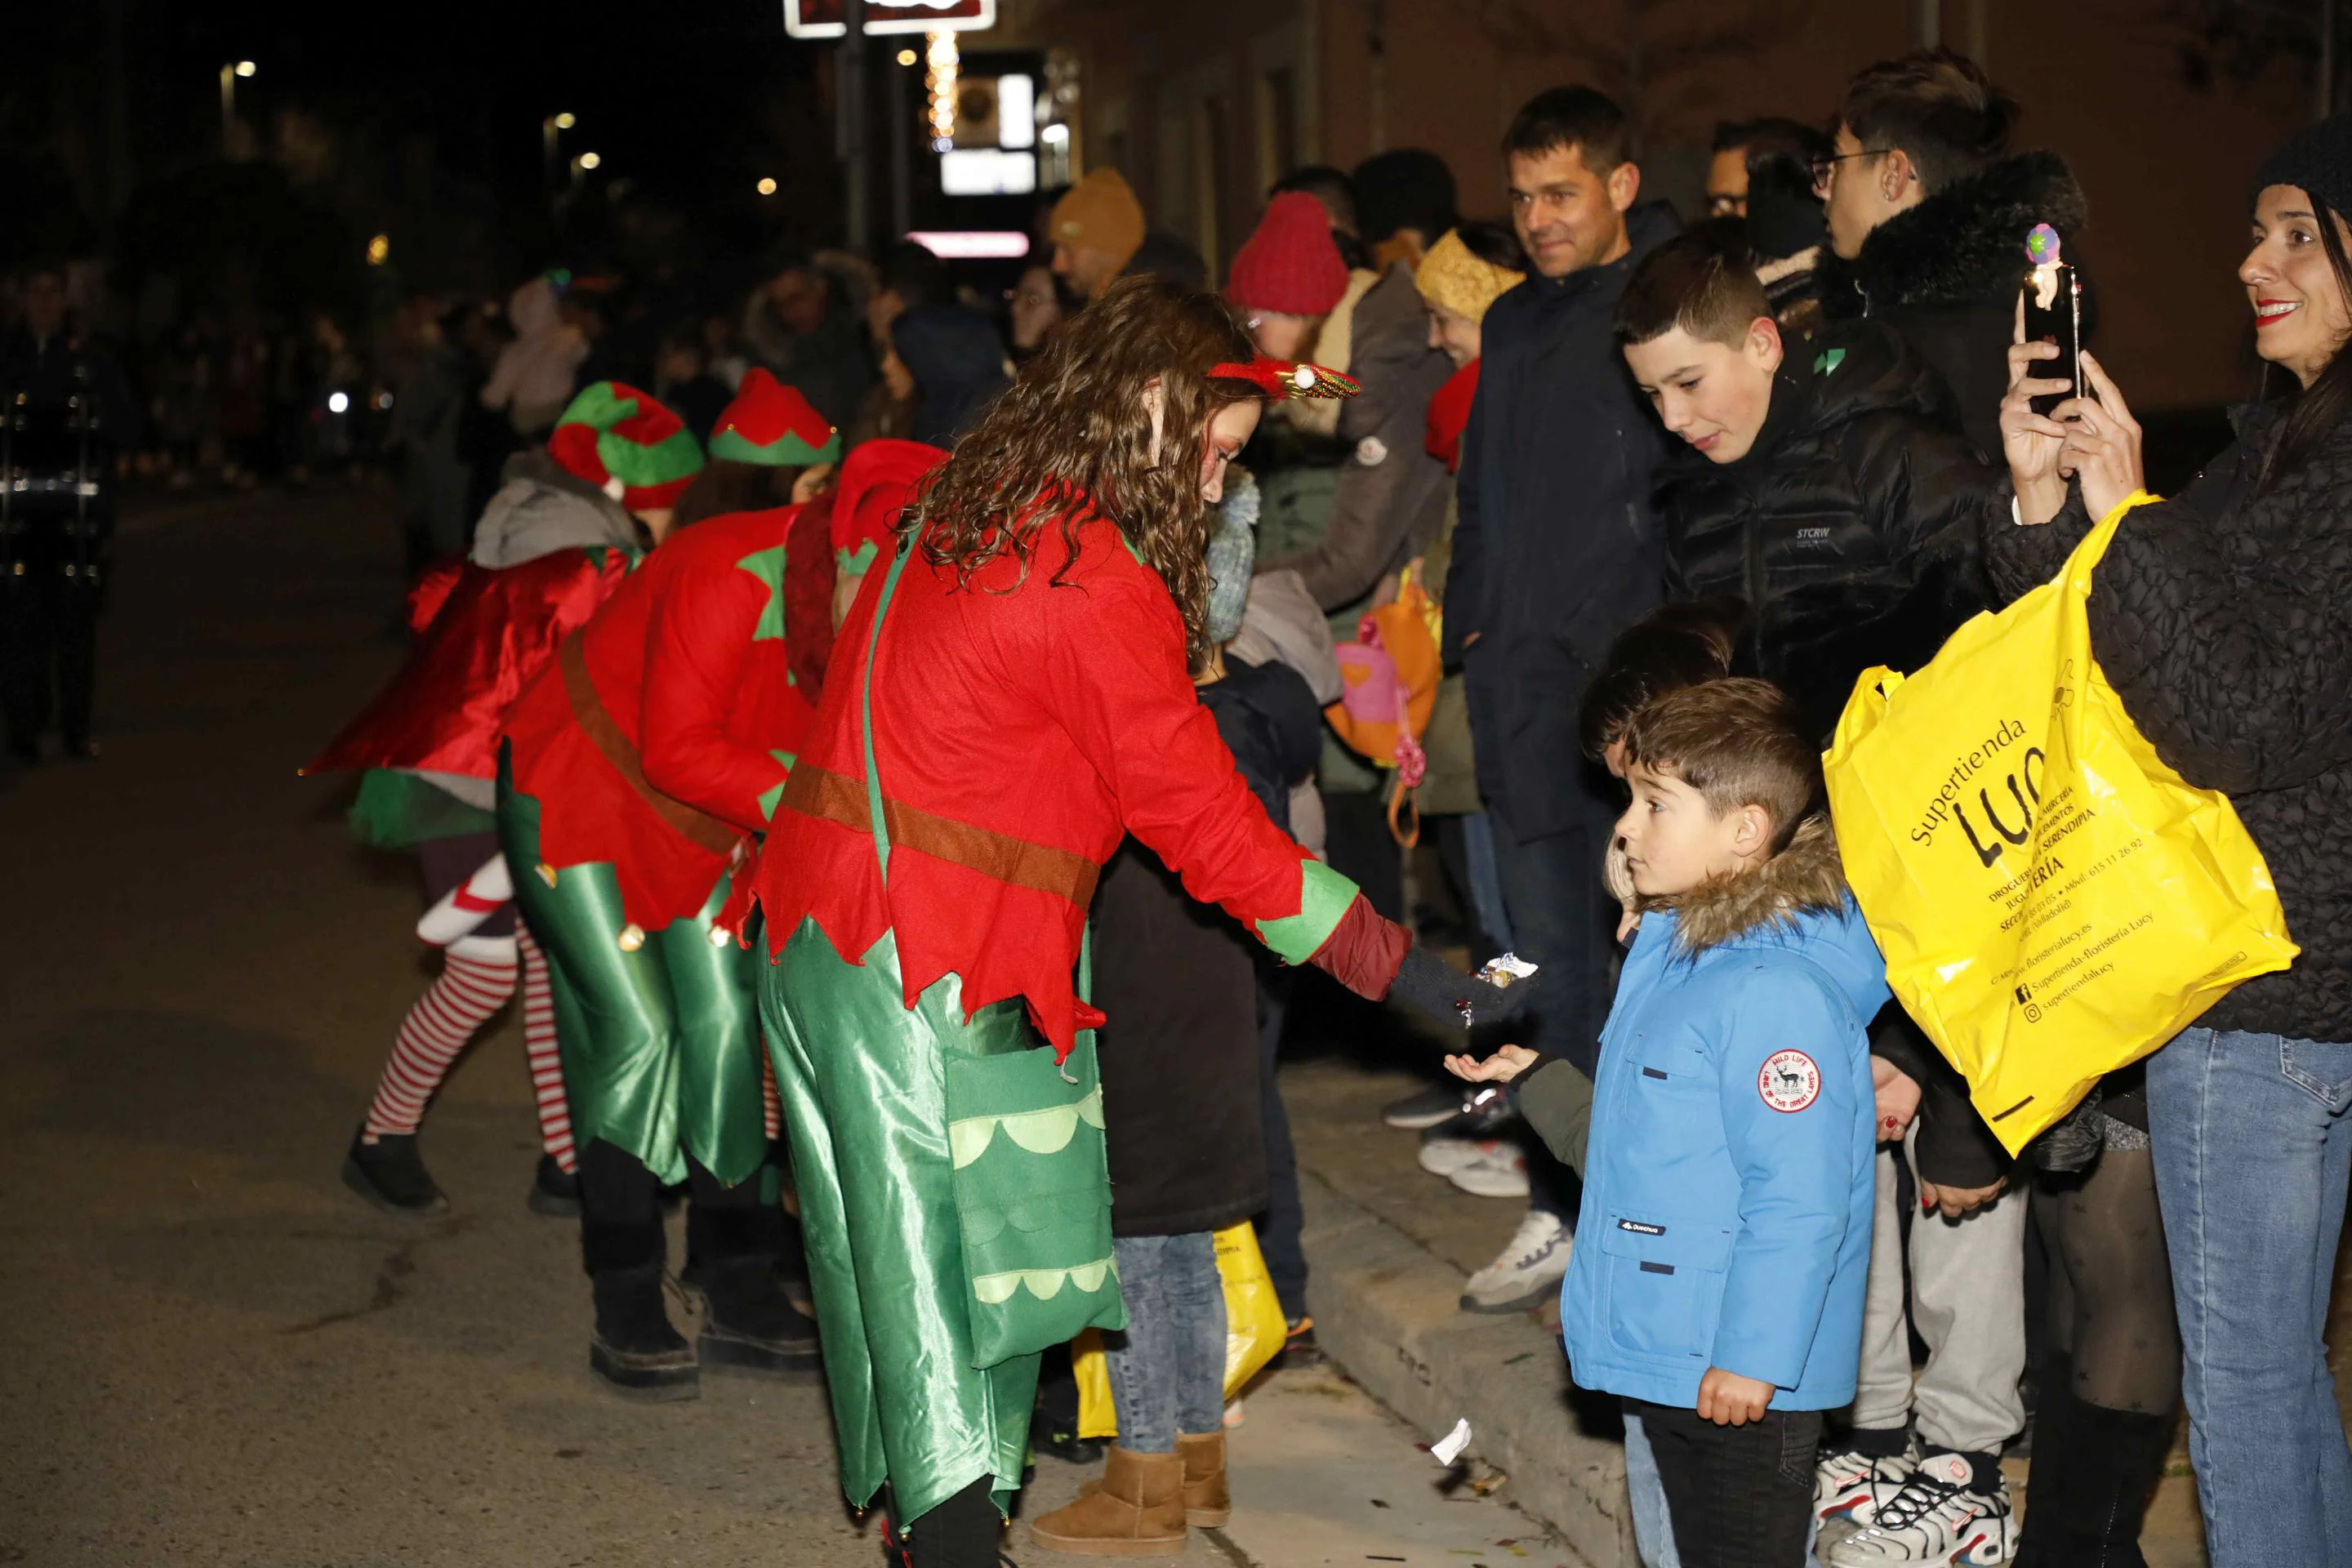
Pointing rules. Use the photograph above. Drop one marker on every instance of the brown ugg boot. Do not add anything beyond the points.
(1207, 1505)
(1137, 1511)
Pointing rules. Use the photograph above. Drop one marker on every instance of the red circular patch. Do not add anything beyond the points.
(1788, 1081)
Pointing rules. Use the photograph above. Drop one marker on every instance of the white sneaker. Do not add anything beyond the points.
(1444, 1156)
(1499, 1172)
(1527, 1269)
(1934, 1518)
(1848, 1486)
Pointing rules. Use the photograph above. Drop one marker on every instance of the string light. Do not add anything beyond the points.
(378, 249)
(942, 62)
(767, 187)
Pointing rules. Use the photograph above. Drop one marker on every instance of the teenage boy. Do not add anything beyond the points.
(1727, 1168)
(1555, 553)
(1831, 489)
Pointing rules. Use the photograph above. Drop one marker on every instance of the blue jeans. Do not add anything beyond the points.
(2253, 1151)
(1167, 1371)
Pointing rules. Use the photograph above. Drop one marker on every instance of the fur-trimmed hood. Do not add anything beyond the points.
(1803, 879)
(1963, 246)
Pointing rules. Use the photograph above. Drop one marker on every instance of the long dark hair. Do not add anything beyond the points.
(2316, 412)
(1072, 423)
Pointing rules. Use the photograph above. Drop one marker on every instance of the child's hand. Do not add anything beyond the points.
(1728, 1399)
(1504, 1066)
(1897, 1096)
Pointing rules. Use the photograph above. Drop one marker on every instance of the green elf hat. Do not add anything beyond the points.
(772, 425)
(624, 442)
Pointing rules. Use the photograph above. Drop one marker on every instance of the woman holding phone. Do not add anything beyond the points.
(2219, 616)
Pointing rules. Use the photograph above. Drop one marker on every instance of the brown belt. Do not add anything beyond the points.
(834, 797)
(588, 711)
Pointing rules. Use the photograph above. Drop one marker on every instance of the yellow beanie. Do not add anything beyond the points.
(1101, 212)
(1450, 275)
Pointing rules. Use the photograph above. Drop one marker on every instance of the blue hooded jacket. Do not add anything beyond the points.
(1728, 1181)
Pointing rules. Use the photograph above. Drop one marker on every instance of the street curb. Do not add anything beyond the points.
(1388, 1310)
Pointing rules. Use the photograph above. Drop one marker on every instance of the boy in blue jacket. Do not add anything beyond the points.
(1725, 1235)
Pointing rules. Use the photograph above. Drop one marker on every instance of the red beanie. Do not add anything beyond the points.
(1291, 265)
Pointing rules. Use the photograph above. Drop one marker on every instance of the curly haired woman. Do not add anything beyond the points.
(1007, 701)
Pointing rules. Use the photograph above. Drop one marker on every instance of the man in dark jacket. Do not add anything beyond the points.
(1927, 215)
(1831, 490)
(1555, 553)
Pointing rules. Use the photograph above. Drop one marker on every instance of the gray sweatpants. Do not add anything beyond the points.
(1967, 1301)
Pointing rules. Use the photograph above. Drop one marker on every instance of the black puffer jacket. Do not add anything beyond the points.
(1945, 274)
(2221, 619)
(1852, 527)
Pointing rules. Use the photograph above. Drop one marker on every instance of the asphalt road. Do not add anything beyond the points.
(210, 1352)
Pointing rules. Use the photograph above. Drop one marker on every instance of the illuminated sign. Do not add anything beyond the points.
(825, 18)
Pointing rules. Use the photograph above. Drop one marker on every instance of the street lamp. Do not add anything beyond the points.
(230, 71)
(581, 165)
(548, 128)
(767, 187)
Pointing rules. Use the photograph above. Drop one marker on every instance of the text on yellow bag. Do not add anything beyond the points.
(2052, 901)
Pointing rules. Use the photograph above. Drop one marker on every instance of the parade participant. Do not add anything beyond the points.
(554, 544)
(1013, 695)
(2218, 615)
(637, 768)
(875, 482)
(70, 411)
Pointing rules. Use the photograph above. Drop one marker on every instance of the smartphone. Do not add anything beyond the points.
(2054, 314)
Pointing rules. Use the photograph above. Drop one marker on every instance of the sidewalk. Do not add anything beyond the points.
(1392, 1246)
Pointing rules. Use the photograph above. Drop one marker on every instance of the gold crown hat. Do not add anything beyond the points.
(1451, 275)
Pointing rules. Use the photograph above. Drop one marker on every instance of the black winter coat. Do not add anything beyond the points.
(1555, 549)
(1945, 274)
(1852, 528)
(2221, 619)
(1182, 1107)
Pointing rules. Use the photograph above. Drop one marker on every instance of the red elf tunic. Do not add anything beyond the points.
(663, 733)
(1023, 724)
(485, 633)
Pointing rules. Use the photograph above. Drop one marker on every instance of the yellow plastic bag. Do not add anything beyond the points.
(2053, 902)
(1254, 1330)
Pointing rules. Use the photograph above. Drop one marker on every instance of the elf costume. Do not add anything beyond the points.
(553, 544)
(640, 766)
(982, 748)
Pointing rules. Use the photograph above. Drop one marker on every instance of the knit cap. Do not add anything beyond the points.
(2319, 159)
(1290, 265)
(1453, 276)
(619, 439)
(772, 425)
(1101, 212)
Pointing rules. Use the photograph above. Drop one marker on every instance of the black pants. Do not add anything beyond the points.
(1740, 1496)
(621, 1215)
(48, 657)
(1280, 1227)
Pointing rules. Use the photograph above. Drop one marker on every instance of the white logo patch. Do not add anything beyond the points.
(1788, 1081)
(1372, 451)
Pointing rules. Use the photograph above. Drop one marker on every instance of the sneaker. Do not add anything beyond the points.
(1849, 1484)
(1937, 1516)
(1430, 1107)
(391, 1175)
(1299, 1349)
(1444, 1156)
(1528, 1270)
(1503, 1173)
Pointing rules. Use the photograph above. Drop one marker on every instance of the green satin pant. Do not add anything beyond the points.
(863, 1080)
(660, 1046)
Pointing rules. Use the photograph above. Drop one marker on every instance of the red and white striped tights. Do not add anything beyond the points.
(477, 977)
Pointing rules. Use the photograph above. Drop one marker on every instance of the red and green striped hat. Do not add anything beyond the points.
(619, 438)
(771, 424)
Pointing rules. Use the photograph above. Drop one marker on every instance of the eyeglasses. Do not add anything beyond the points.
(1826, 165)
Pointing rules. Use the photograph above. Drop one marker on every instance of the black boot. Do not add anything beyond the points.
(735, 1244)
(636, 1351)
(2086, 1510)
(554, 1192)
(964, 1532)
(390, 1175)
